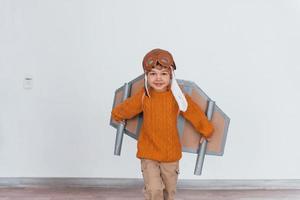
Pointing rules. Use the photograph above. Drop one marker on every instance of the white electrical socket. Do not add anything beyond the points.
(28, 82)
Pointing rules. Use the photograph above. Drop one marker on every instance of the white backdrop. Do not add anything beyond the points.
(243, 54)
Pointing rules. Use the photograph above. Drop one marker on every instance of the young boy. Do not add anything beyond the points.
(158, 146)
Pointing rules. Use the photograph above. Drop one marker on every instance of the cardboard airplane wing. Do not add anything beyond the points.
(190, 139)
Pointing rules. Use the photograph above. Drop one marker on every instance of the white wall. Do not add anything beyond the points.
(244, 55)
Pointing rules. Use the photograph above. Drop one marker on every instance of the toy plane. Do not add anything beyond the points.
(189, 138)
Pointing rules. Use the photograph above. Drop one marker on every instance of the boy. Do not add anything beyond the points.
(159, 145)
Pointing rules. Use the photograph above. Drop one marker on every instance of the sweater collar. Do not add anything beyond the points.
(158, 93)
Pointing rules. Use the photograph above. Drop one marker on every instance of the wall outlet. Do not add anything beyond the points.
(28, 83)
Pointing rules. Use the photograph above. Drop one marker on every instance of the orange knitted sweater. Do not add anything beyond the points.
(159, 139)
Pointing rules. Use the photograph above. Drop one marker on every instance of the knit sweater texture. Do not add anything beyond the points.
(159, 139)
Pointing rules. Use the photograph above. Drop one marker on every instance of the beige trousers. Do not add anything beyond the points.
(160, 179)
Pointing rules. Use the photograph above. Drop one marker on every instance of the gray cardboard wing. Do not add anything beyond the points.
(189, 137)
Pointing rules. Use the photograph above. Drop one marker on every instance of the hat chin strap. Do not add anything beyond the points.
(146, 85)
(177, 93)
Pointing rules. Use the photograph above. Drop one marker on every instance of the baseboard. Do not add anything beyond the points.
(220, 184)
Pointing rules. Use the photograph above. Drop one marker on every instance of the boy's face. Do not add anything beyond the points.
(159, 79)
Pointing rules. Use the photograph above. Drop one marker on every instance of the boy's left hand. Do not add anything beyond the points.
(203, 138)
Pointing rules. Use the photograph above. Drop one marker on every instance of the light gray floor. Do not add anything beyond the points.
(50, 193)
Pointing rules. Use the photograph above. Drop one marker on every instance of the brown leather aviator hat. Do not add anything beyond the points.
(165, 59)
(158, 56)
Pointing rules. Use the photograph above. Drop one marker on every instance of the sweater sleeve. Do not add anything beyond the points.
(197, 117)
(128, 108)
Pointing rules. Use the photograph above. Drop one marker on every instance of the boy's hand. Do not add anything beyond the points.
(203, 138)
